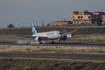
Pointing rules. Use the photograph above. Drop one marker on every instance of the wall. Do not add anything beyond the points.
(58, 23)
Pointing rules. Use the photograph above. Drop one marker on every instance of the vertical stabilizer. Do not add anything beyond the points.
(33, 29)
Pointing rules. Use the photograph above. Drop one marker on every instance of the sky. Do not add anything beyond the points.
(22, 12)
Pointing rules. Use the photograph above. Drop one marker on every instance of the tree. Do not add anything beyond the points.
(10, 26)
(47, 24)
(42, 24)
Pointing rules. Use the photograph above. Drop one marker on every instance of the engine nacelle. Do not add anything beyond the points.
(38, 39)
(64, 38)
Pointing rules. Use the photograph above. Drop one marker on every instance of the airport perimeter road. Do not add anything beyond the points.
(44, 55)
(55, 44)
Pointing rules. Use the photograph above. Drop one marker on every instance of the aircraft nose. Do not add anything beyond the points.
(61, 35)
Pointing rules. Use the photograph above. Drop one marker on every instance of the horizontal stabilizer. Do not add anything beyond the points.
(23, 35)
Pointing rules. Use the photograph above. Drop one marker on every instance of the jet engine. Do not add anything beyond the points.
(64, 38)
(38, 39)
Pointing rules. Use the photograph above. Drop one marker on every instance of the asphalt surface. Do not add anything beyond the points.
(71, 56)
(74, 56)
(55, 44)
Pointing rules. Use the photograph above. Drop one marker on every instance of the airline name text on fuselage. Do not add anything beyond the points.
(50, 33)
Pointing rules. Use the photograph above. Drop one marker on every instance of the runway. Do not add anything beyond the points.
(41, 55)
(45, 55)
(55, 44)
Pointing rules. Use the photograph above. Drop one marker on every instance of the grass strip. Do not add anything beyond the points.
(56, 59)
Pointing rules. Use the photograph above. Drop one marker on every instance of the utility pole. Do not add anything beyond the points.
(64, 29)
(36, 23)
(61, 18)
(42, 22)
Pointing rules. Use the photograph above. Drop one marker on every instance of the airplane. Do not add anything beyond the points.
(51, 35)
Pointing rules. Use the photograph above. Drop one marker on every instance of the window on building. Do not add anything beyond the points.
(104, 17)
(81, 17)
(86, 17)
(78, 16)
(73, 16)
(89, 17)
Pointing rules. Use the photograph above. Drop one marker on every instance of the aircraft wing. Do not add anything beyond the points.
(29, 36)
(69, 32)
(23, 35)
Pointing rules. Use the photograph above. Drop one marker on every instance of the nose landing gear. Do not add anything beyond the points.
(40, 43)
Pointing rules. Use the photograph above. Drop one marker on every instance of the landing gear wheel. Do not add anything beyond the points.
(52, 42)
(59, 40)
(40, 42)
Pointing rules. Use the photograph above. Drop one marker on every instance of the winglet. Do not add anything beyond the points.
(33, 29)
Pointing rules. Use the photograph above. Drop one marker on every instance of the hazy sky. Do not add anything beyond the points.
(26, 11)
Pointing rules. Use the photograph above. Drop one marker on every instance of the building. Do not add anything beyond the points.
(103, 18)
(70, 35)
(87, 17)
(81, 17)
(59, 23)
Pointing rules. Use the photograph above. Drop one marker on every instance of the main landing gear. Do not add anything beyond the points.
(52, 42)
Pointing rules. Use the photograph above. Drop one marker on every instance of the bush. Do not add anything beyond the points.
(10, 26)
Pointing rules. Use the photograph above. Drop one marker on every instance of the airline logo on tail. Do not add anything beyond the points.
(33, 29)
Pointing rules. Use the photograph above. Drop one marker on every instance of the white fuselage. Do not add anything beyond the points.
(51, 35)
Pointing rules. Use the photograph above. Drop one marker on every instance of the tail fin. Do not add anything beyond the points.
(33, 29)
